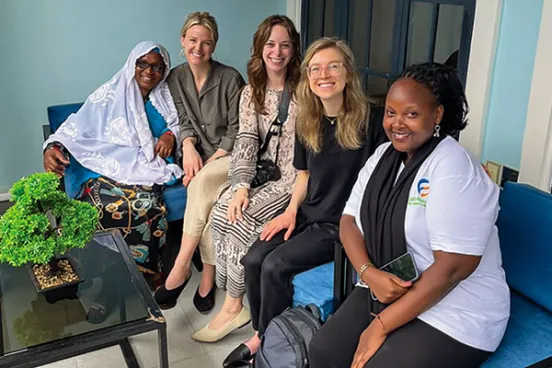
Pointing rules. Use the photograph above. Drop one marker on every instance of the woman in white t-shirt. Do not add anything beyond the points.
(423, 194)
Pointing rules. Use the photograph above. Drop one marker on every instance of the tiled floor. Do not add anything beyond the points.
(184, 352)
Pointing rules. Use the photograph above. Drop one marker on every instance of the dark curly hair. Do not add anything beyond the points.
(256, 71)
(447, 89)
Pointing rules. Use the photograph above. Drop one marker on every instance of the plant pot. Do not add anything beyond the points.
(64, 290)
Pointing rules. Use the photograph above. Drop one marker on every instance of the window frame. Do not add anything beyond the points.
(400, 32)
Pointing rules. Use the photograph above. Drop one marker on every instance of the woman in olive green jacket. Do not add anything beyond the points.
(206, 94)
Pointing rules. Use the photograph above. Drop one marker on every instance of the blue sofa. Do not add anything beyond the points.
(525, 229)
(174, 196)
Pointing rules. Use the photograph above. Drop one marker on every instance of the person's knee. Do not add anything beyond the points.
(252, 261)
(194, 188)
(273, 267)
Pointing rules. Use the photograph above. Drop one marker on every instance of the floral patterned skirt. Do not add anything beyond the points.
(137, 211)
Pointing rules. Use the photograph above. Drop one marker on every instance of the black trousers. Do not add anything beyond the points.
(270, 268)
(414, 345)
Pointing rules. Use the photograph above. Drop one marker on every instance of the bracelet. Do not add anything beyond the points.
(169, 132)
(363, 269)
(58, 147)
(378, 317)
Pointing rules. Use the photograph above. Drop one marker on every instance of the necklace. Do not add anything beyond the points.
(331, 121)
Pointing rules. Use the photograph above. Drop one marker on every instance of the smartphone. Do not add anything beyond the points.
(402, 267)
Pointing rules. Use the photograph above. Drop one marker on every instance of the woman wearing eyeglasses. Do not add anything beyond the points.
(117, 152)
(334, 139)
(206, 94)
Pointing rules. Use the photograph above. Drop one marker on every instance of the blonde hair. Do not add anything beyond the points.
(201, 19)
(352, 119)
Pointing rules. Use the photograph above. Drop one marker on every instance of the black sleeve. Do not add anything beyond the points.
(299, 155)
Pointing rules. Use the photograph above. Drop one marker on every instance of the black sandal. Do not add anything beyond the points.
(166, 299)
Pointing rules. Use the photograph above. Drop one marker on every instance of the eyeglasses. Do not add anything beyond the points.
(334, 69)
(157, 68)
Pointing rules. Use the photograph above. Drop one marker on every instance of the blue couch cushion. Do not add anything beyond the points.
(175, 199)
(528, 338)
(315, 286)
(59, 113)
(56, 116)
(525, 230)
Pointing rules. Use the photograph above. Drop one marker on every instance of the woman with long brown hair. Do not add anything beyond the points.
(266, 135)
(334, 139)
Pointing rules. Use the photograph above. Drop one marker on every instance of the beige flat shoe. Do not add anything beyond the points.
(208, 335)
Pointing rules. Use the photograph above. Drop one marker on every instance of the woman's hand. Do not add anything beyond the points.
(192, 161)
(237, 205)
(54, 161)
(284, 221)
(369, 343)
(165, 145)
(385, 286)
(218, 154)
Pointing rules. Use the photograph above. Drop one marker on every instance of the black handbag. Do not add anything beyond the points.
(268, 170)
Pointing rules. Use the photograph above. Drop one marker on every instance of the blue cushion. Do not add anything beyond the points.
(315, 286)
(56, 116)
(528, 338)
(525, 230)
(59, 113)
(175, 198)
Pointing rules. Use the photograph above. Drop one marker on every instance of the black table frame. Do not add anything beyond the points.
(110, 336)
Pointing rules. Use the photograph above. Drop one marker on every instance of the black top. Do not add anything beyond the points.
(333, 171)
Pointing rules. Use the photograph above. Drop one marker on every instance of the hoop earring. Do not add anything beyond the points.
(437, 129)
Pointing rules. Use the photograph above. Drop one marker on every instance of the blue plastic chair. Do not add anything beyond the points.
(174, 196)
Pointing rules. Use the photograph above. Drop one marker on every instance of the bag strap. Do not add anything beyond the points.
(276, 127)
(313, 308)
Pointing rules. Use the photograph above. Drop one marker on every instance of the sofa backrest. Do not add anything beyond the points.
(525, 230)
(57, 114)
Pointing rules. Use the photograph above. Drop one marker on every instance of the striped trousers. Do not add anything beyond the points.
(232, 241)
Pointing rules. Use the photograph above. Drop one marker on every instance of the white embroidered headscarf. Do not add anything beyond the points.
(110, 134)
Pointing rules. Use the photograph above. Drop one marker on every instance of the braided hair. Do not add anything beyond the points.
(447, 89)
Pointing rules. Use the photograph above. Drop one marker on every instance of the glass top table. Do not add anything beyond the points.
(112, 303)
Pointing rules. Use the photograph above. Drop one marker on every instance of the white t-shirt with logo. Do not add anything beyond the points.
(452, 207)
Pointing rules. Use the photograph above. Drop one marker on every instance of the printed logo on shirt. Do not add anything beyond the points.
(423, 192)
(423, 188)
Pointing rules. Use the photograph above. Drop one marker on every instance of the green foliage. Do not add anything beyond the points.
(27, 234)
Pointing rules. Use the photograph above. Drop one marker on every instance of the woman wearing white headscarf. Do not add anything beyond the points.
(117, 151)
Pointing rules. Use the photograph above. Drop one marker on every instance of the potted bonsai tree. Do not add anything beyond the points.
(43, 224)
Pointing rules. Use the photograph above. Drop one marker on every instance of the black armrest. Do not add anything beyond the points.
(46, 131)
(339, 279)
(344, 275)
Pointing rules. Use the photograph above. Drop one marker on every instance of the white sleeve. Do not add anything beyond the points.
(461, 213)
(352, 207)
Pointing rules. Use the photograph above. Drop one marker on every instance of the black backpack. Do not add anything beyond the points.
(287, 337)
